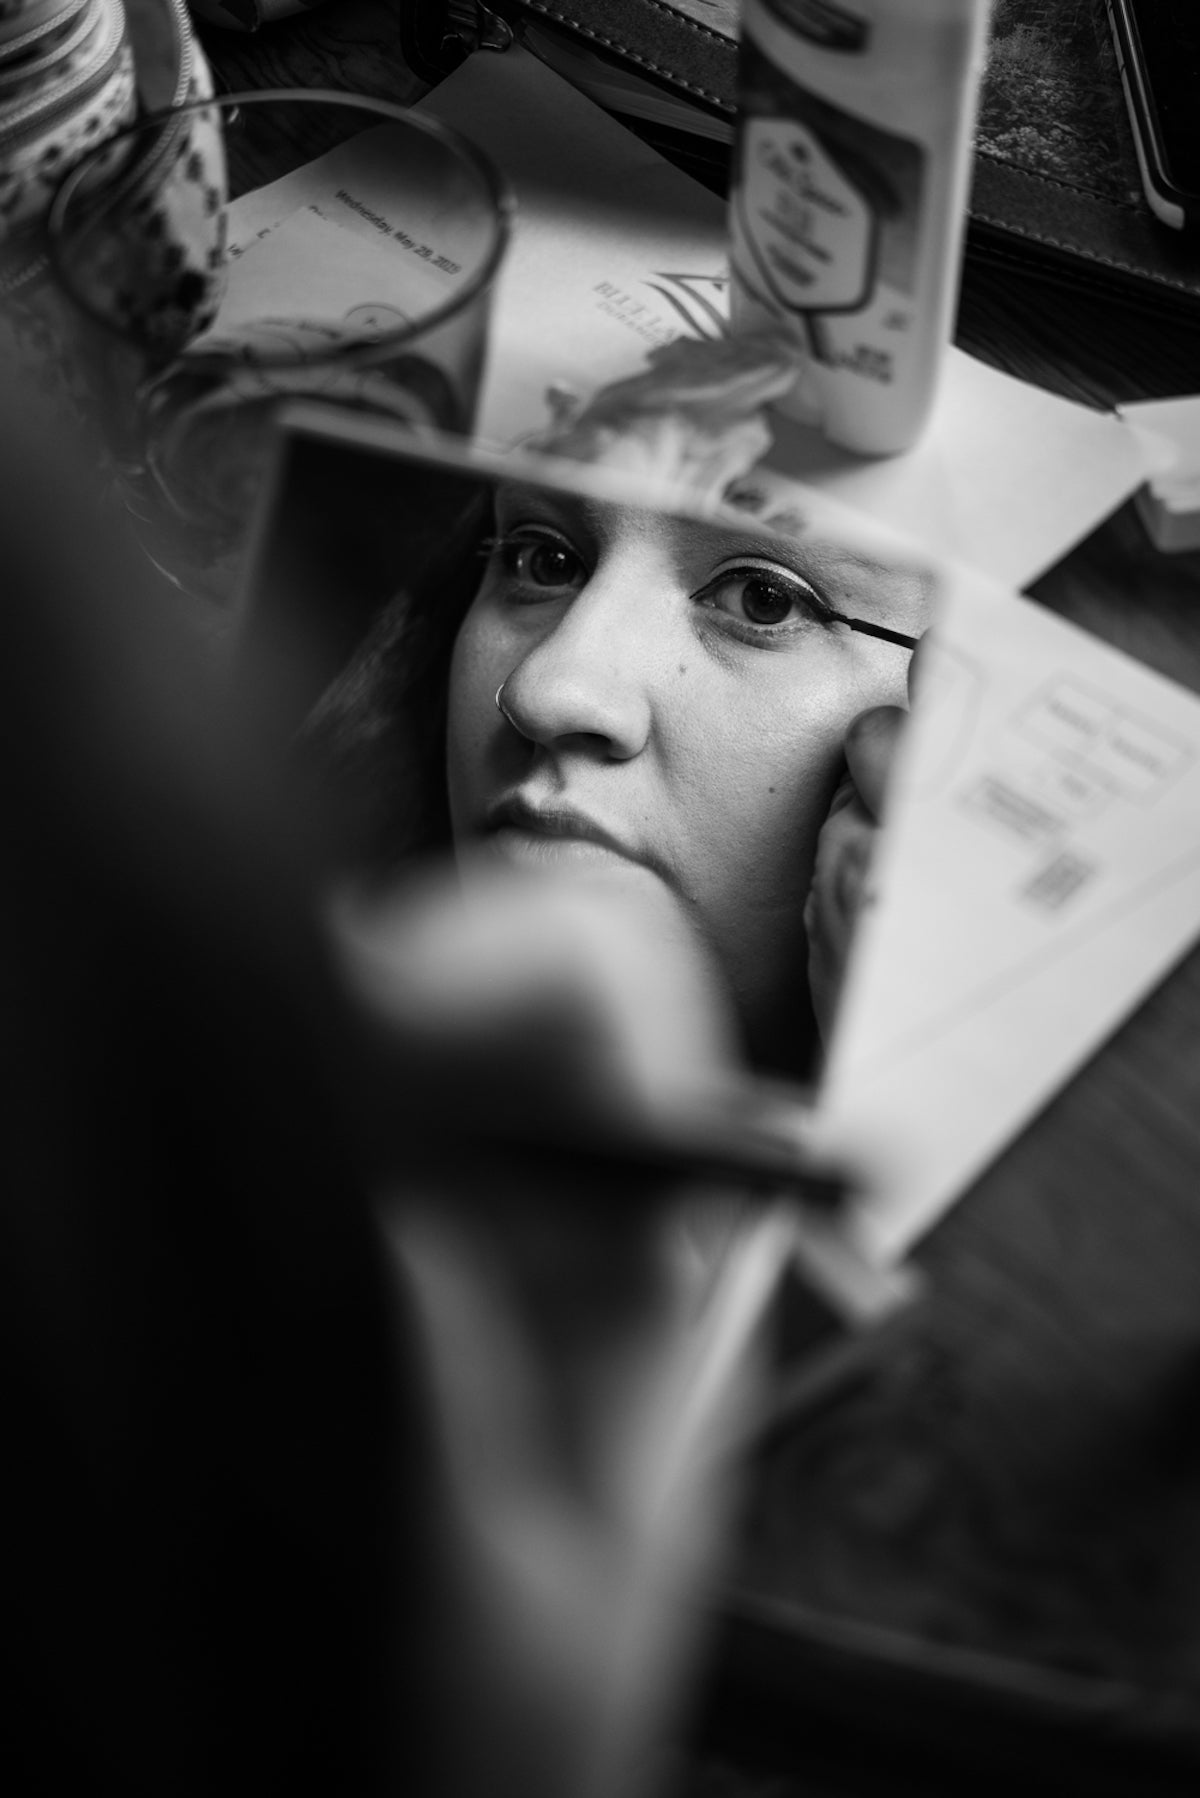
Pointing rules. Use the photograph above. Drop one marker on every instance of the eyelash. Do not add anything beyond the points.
(504, 544)
(813, 608)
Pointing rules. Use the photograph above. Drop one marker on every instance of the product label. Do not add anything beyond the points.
(811, 232)
(825, 220)
(822, 22)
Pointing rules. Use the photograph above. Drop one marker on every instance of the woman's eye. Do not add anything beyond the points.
(759, 597)
(542, 562)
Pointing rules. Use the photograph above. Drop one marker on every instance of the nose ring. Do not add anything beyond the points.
(500, 704)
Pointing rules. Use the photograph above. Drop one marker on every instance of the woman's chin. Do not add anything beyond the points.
(582, 863)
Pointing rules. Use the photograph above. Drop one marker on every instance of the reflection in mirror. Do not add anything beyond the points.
(525, 660)
(531, 671)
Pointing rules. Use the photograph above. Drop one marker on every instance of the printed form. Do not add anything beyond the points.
(1038, 874)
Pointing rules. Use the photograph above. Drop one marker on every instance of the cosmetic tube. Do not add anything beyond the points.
(848, 201)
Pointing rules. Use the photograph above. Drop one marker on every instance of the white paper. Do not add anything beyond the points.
(365, 186)
(1176, 424)
(1038, 874)
(615, 250)
(1170, 501)
(1007, 477)
(309, 274)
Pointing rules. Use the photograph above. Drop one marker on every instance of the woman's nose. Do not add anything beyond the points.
(586, 679)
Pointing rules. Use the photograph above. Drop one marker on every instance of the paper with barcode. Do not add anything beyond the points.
(1039, 873)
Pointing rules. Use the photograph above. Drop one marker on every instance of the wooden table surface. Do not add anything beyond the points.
(1022, 1478)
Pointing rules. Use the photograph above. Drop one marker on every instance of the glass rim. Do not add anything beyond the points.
(494, 183)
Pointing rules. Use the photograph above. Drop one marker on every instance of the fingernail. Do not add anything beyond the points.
(916, 667)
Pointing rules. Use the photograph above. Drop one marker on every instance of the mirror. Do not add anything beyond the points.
(542, 661)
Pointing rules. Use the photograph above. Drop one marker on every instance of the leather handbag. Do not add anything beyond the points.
(1055, 188)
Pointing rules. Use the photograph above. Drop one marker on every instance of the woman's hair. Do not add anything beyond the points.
(373, 749)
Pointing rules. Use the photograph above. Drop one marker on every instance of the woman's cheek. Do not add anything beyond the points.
(894, 689)
(774, 792)
(806, 766)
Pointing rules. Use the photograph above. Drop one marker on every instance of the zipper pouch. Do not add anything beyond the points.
(73, 72)
(65, 85)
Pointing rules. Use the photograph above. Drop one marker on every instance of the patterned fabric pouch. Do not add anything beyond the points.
(66, 82)
(72, 74)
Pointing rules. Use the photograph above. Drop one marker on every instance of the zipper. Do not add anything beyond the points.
(77, 38)
(70, 97)
(67, 97)
(37, 116)
(476, 26)
(183, 81)
(36, 119)
(187, 50)
(41, 111)
(24, 272)
(37, 261)
(46, 29)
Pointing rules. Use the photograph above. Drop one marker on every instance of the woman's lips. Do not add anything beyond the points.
(550, 836)
(533, 849)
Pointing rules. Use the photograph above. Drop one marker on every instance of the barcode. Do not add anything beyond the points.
(1058, 881)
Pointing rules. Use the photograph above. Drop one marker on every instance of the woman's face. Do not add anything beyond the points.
(674, 702)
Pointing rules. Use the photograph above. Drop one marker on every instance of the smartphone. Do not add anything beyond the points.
(1158, 52)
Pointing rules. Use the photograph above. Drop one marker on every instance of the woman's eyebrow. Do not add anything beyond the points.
(824, 560)
(908, 576)
(517, 494)
(519, 491)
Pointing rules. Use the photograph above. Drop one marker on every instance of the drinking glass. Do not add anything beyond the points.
(237, 251)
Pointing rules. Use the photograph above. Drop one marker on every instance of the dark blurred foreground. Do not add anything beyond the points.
(254, 1545)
